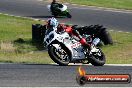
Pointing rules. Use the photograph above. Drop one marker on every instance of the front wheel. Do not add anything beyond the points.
(59, 55)
(98, 58)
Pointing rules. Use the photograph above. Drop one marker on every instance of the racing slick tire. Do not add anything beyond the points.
(53, 53)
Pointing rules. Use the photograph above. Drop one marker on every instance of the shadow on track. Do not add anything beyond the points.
(46, 16)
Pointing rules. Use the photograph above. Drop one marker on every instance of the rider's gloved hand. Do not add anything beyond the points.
(85, 44)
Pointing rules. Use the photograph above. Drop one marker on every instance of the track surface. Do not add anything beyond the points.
(20, 75)
(81, 15)
(52, 75)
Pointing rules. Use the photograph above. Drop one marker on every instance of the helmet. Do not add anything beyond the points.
(53, 22)
(54, 0)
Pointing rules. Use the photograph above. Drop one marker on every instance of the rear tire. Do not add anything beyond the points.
(69, 15)
(55, 15)
(98, 60)
(53, 54)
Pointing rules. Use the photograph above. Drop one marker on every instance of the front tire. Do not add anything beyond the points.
(98, 58)
(53, 53)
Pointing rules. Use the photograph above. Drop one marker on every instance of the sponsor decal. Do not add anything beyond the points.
(76, 45)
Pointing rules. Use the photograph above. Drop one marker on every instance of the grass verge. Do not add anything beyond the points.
(13, 29)
(121, 51)
(16, 44)
(118, 4)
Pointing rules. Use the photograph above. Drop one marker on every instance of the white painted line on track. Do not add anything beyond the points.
(78, 64)
(36, 19)
(118, 64)
(18, 16)
(111, 30)
(6, 14)
(40, 0)
(97, 8)
(120, 31)
(12, 15)
(44, 20)
(101, 8)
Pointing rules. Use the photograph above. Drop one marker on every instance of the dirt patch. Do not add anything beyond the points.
(7, 47)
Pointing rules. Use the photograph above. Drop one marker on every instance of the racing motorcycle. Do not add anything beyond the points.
(64, 48)
(63, 9)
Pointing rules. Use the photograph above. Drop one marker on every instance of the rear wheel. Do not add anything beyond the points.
(98, 58)
(69, 15)
(59, 56)
(55, 15)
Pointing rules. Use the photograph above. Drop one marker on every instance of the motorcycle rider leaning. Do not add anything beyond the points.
(72, 30)
(54, 7)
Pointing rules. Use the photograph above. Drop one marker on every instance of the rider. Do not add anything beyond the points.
(54, 7)
(52, 22)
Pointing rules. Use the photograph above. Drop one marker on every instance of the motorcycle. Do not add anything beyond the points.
(64, 48)
(63, 9)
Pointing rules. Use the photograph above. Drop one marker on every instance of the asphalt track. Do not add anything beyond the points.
(81, 14)
(42, 75)
(31, 75)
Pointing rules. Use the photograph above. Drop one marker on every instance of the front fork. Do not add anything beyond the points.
(96, 41)
(92, 48)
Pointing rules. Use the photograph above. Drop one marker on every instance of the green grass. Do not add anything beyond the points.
(16, 41)
(119, 4)
(16, 44)
(121, 51)
(12, 28)
(28, 58)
